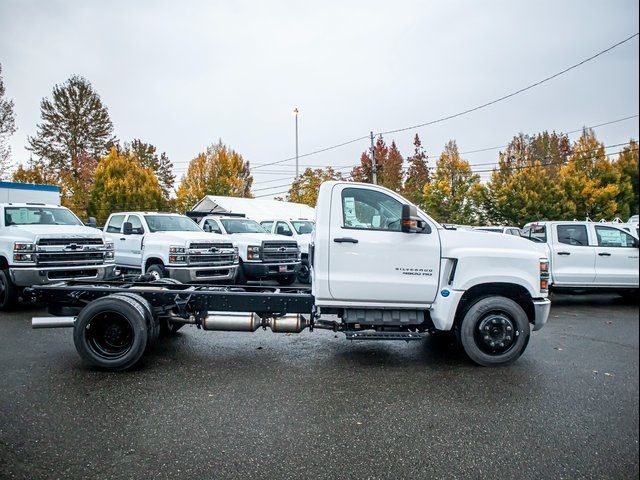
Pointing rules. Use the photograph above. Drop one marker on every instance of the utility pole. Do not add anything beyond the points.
(374, 169)
(295, 112)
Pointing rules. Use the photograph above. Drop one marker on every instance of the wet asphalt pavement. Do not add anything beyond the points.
(265, 405)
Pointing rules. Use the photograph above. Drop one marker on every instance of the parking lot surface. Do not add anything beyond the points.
(264, 405)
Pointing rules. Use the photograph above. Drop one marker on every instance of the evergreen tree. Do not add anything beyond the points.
(417, 174)
(305, 188)
(121, 184)
(7, 128)
(75, 133)
(218, 171)
(454, 194)
(148, 157)
(391, 175)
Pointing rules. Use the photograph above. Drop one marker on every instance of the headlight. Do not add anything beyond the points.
(24, 247)
(253, 252)
(177, 249)
(24, 257)
(108, 245)
(108, 255)
(236, 255)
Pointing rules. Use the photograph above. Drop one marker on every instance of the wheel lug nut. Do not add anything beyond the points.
(486, 337)
(508, 338)
(504, 321)
(501, 344)
(508, 328)
(493, 344)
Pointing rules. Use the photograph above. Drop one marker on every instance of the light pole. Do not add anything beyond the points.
(295, 113)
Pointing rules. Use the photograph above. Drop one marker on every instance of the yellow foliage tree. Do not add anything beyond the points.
(305, 188)
(122, 184)
(218, 171)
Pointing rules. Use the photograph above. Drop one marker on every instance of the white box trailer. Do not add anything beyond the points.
(254, 208)
(14, 192)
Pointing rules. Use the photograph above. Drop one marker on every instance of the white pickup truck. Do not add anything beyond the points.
(44, 243)
(262, 255)
(382, 270)
(299, 229)
(588, 255)
(169, 245)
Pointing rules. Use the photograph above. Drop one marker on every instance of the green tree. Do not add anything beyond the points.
(220, 170)
(121, 183)
(148, 157)
(7, 128)
(627, 166)
(417, 174)
(591, 183)
(75, 133)
(305, 188)
(454, 194)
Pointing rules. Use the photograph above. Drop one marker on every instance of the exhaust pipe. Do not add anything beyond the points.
(250, 322)
(53, 322)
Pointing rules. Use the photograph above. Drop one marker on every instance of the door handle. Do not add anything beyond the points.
(564, 253)
(604, 254)
(123, 239)
(345, 240)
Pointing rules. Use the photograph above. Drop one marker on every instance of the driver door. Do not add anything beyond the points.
(131, 245)
(370, 258)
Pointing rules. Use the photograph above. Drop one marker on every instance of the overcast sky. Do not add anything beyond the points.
(183, 74)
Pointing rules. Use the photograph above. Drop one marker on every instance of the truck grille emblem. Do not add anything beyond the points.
(282, 249)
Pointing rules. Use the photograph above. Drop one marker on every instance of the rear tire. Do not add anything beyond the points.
(286, 279)
(111, 333)
(494, 331)
(153, 324)
(8, 292)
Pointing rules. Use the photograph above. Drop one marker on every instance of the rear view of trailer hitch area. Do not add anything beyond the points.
(114, 325)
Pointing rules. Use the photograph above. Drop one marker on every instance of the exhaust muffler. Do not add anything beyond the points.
(250, 322)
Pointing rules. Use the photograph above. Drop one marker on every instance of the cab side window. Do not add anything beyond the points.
(283, 229)
(115, 224)
(575, 235)
(136, 225)
(267, 225)
(212, 226)
(365, 209)
(612, 237)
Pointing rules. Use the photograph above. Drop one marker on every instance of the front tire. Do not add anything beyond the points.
(304, 272)
(8, 292)
(494, 331)
(286, 279)
(157, 271)
(111, 333)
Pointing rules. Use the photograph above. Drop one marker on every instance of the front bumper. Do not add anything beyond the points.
(29, 276)
(267, 270)
(202, 273)
(541, 308)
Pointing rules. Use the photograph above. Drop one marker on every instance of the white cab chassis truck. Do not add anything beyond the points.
(41, 243)
(589, 255)
(167, 245)
(262, 255)
(382, 270)
(300, 230)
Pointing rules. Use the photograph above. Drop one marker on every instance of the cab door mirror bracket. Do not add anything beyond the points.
(411, 222)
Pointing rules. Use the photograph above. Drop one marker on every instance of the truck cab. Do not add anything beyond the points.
(168, 245)
(300, 230)
(42, 243)
(589, 255)
(262, 254)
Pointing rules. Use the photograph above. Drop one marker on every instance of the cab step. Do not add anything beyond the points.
(406, 336)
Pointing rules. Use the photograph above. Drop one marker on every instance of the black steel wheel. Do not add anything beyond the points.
(8, 291)
(304, 272)
(494, 331)
(111, 332)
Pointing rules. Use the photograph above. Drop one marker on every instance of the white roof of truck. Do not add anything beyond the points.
(254, 208)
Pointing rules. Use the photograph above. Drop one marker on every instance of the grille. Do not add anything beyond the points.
(208, 245)
(213, 260)
(53, 242)
(62, 258)
(62, 274)
(280, 252)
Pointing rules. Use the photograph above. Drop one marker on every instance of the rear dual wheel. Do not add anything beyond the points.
(494, 331)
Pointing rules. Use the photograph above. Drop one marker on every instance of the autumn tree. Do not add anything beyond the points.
(417, 174)
(219, 170)
(7, 128)
(75, 133)
(305, 188)
(388, 166)
(160, 164)
(522, 187)
(591, 183)
(454, 194)
(627, 166)
(121, 183)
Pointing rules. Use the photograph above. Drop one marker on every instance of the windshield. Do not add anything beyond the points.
(39, 216)
(232, 225)
(302, 227)
(537, 233)
(495, 230)
(171, 223)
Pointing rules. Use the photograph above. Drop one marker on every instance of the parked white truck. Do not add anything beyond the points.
(42, 243)
(262, 255)
(382, 270)
(167, 245)
(589, 255)
(298, 229)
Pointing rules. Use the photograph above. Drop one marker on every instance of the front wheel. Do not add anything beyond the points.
(304, 272)
(286, 279)
(157, 271)
(494, 331)
(8, 291)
